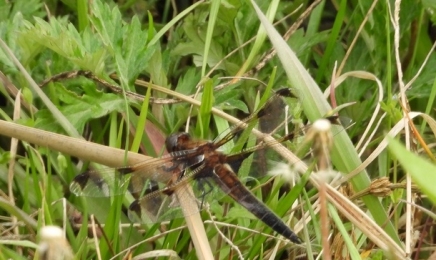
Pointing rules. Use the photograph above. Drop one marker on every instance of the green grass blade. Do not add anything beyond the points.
(140, 127)
(214, 8)
(333, 40)
(207, 100)
(353, 252)
(421, 170)
(343, 155)
(260, 38)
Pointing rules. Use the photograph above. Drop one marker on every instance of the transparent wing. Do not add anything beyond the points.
(162, 203)
(159, 201)
(255, 160)
(115, 181)
(268, 118)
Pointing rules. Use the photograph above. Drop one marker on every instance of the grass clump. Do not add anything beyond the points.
(127, 74)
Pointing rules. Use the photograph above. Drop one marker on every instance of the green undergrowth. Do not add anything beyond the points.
(126, 52)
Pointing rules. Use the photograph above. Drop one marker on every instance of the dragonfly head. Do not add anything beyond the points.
(177, 141)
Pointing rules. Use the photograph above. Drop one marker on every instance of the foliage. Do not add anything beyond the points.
(211, 52)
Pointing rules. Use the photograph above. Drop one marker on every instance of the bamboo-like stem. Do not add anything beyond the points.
(79, 148)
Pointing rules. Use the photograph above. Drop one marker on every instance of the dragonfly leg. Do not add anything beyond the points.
(205, 187)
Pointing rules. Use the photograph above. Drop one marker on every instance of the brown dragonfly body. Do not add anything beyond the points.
(216, 166)
(188, 160)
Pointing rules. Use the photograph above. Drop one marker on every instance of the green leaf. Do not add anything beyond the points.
(63, 38)
(79, 110)
(187, 82)
(135, 49)
(26, 8)
(213, 13)
(229, 98)
(421, 170)
(194, 27)
(8, 33)
(236, 104)
(108, 25)
(238, 212)
(126, 42)
(207, 100)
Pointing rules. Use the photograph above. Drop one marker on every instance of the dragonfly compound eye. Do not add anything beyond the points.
(175, 141)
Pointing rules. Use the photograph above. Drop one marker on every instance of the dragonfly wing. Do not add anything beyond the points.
(103, 183)
(163, 204)
(109, 182)
(270, 116)
(136, 179)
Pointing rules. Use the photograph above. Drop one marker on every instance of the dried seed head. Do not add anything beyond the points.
(53, 244)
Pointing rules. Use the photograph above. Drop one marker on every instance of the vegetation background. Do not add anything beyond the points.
(379, 54)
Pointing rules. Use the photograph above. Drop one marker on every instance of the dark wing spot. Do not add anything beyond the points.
(285, 92)
(135, 206)
(334, 120)
(81, 179)
(125, 170)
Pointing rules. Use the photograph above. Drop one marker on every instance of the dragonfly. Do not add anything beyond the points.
(190, 161)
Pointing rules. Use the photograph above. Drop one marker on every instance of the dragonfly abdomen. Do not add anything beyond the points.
(226, 179)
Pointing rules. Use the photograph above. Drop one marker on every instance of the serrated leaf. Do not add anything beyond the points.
(8, 33)
(80, 111)
(137, 53)
(227, 93)
(108, 24)
(188, 81)
(27, 8)
(127, 42)
(195, 30)
(63, 38)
